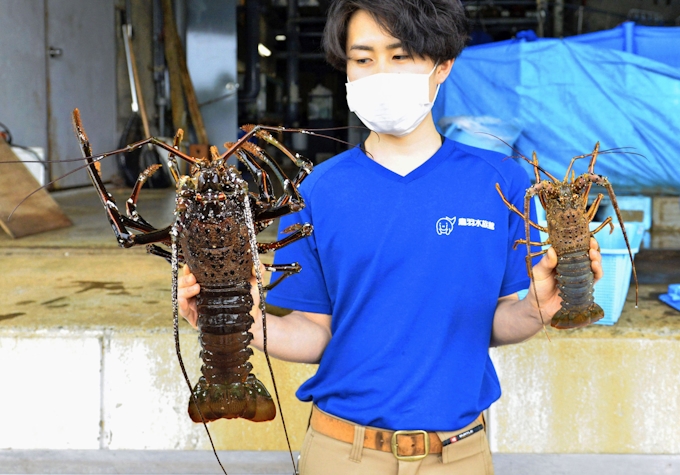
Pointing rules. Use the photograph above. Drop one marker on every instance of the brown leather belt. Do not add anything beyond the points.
(404, 444)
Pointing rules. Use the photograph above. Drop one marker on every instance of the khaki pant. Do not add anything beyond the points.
(323, 455)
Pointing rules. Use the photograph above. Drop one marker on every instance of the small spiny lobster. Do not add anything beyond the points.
(216, 223)
(568, 216)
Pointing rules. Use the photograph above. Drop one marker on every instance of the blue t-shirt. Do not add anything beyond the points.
(411, 269)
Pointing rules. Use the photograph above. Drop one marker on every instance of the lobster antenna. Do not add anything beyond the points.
(519, 155)
(592, 162)
(528, 262)
(175, 326)
(94, 160)
(597, 152)
(260, 289)
(250, 127)
(622, 150)
(535, 164)
(612, 196)
(64, 160)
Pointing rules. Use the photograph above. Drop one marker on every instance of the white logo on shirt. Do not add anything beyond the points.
(445, 225)
(477, 223)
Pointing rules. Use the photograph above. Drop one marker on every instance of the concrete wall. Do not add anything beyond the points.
(107, 390)
(611, 395)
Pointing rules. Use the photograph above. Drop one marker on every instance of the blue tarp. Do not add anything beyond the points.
(567, 94)
(659, 43)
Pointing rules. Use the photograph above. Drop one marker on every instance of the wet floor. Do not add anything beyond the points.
(91, 232)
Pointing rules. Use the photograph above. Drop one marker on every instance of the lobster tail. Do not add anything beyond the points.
(227, 390)
(573, 318)
(220, 257)
(575, 281)
(248, 400)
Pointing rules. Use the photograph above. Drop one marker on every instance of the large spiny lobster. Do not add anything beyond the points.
(216, 223)
(568, 216)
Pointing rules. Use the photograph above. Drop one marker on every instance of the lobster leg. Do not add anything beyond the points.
(607, 221)
(290, 191)
(260, 175)
(290, 200)
(172, 162)
(531, 243)
(277, 211)
(118, 222)
(300, 232)
(593, 208)
(286, 269)
(253, 150)
(131, 203)
(305, 166)
(591, 215)
(514, 209)
(156, 250)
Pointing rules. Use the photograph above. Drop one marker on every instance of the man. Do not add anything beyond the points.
(410, 274)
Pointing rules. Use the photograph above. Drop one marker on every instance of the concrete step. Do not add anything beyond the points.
(179, 462)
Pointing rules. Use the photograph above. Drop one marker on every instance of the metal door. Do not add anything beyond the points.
(81, 61)
(23, 108)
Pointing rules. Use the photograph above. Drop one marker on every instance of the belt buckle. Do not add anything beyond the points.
(410, 458)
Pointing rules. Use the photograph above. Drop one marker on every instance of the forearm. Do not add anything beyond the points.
(515, 321)
(298, 337)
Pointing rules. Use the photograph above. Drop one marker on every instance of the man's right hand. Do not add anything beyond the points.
(187, 289)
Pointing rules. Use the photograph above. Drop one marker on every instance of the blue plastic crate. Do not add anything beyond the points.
(611, 291)
(631, 203)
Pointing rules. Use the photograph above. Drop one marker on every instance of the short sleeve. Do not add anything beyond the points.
(305, 291)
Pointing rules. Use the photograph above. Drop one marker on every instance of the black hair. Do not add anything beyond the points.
(436, 29)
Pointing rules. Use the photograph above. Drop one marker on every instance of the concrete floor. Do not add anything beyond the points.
(91, 238)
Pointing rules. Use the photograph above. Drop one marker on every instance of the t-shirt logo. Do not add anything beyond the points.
(445, 225)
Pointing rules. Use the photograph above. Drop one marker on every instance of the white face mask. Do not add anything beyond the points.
(391, 103)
